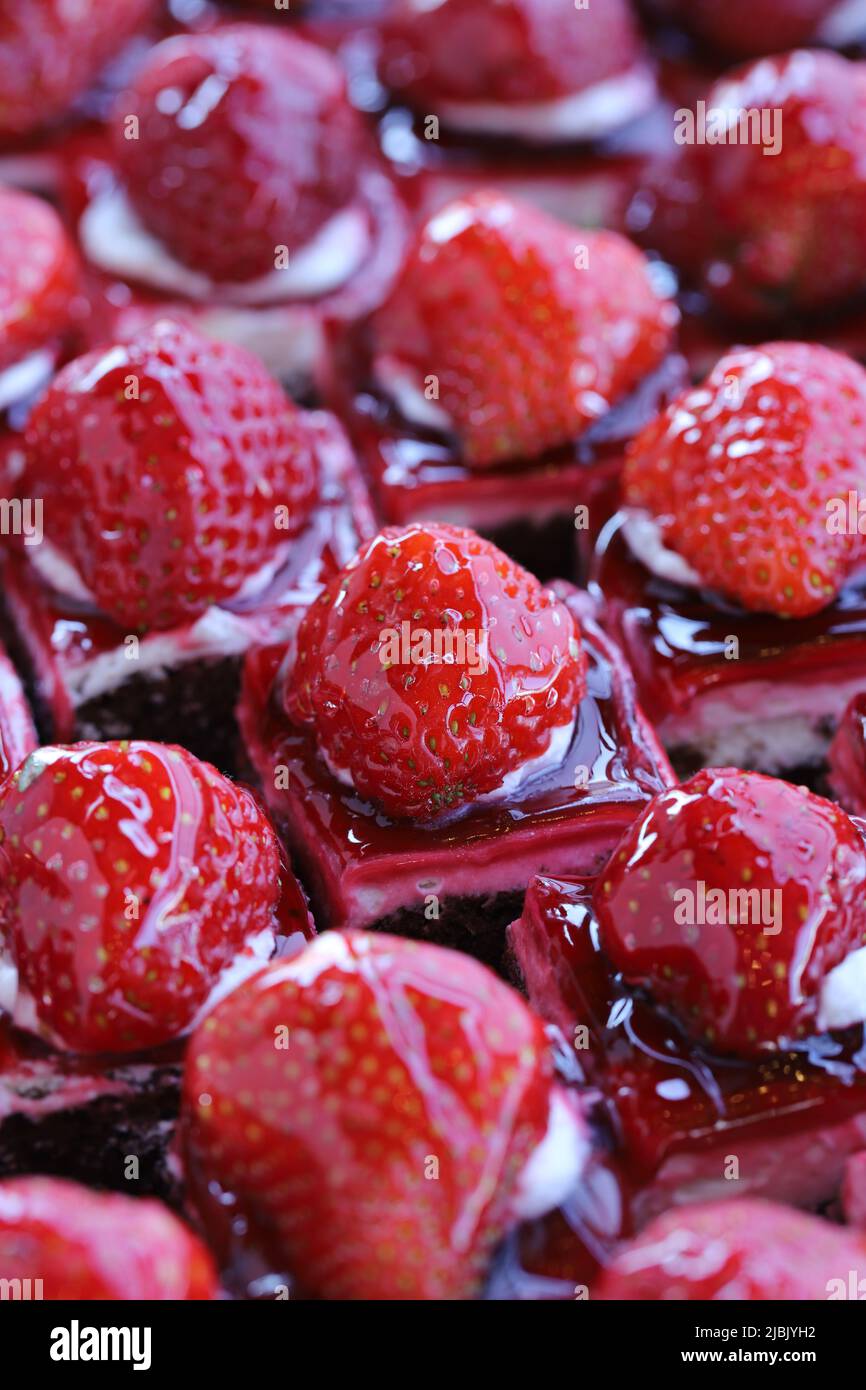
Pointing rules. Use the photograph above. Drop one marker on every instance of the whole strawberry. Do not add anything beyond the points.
(162, 462)
(71, 1243)
(38, 277)
(513, 51)
(528, 330)
(245, 142)
(770, 222)
(132, 875)
(365, 1115)
(745, 474)
(731, 900)
(51, 50)
(432, 667)
(739, 1250)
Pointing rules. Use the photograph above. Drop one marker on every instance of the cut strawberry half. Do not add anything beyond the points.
(237, 146)
(433, 667)
(516, 51)
(173, 469)
(367, 1115)
(748, 476)
(38, 277)
(134, 876)
(521, 330)
(742, 1250)
(62, 1241)
(732, 900)
(51, 50)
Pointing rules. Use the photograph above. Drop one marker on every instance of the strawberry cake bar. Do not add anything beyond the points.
(727, 1048)
(193, 206)
(132, 614)
(110, 947)
(733, 575)
(512, 423)
(417, 788)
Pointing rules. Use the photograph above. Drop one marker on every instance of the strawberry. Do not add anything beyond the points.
(365, 1113)
(846, 757)
(743, 1250)
(431, 667)
(730, 900)
(771, 234)
(162, 462)
(72, 1243)
(133, 876)
(530, 329)
(38, 276)
(746, 28)
(51, 50)
(744, 475)
(513, 51)
(245, 143)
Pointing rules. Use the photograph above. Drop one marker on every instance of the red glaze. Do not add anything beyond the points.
(38, 276)
(742, 473)
(854, 1191)
(217, 451)
(51, 51)
(750, 1251)
(134, 875)
(747, 28)
(399, 1056)
(421, 736)
(677, 641)
(518, 51)
(678, 1112)
(503, 305)
(740, 973)
(362, 866)
(847, 758)
(210, 174)
(79, 1244)
(768, 235)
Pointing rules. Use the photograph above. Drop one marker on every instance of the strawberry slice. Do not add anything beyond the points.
(432, 667)
(731, 899)
(513, 51)
(71, 1243)
(529, 329)
(741, 1250)
(245, 143)
(214, 449)
(38, 276)
(748, 475)
(133, 876)
(366, 1114)
(51, 51)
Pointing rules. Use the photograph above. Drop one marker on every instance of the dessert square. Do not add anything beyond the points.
(678, 1116)
(88, 679)
(728, 687)
(456, 882)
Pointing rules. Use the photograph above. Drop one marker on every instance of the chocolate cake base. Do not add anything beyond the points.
(192, 704)
(475, 926)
